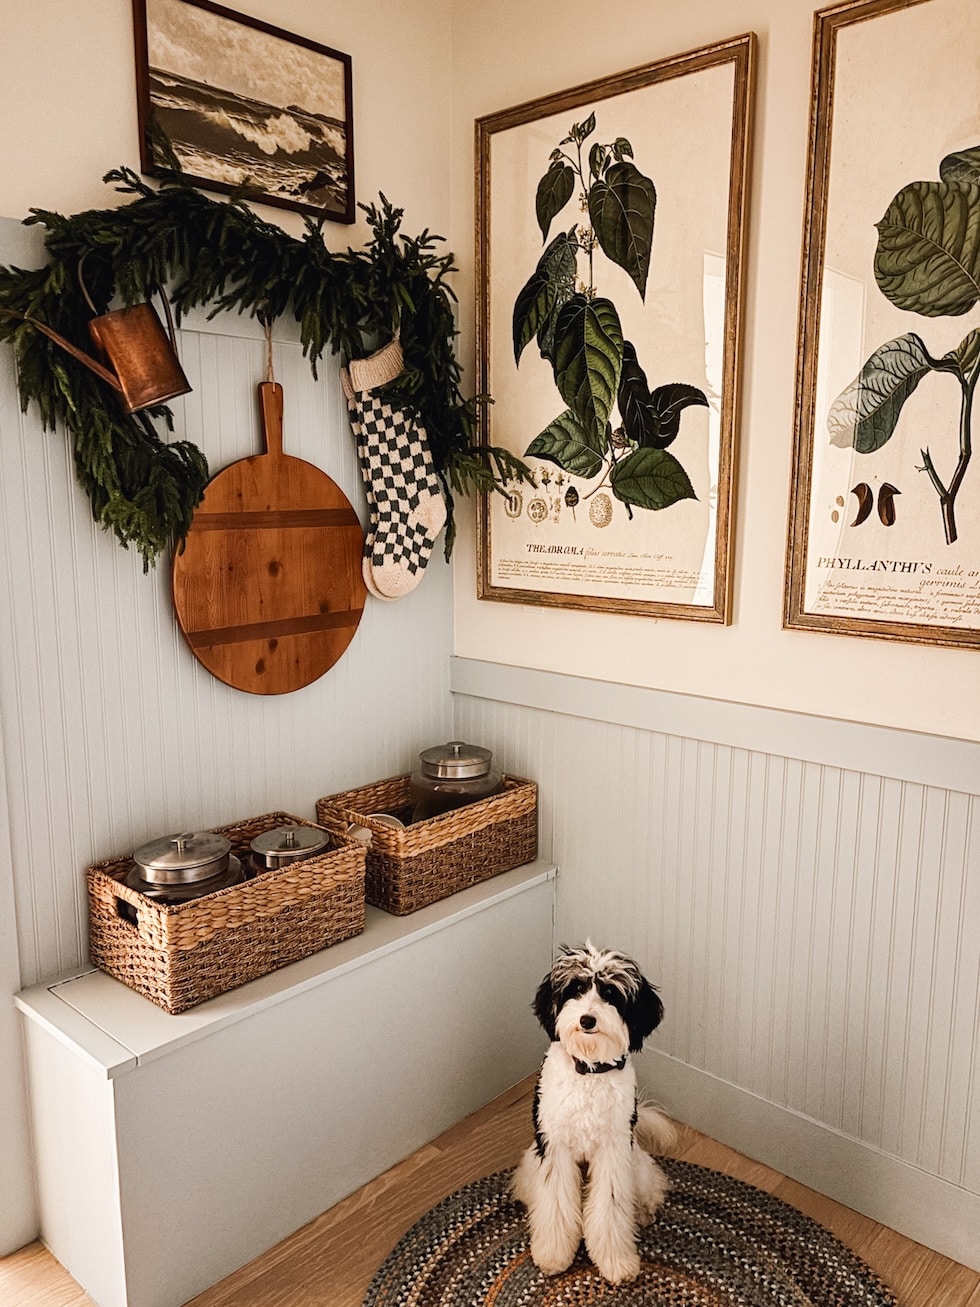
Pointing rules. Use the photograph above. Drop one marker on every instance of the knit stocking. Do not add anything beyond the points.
(404, 493)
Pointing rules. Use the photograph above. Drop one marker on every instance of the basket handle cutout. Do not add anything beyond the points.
(126, 912)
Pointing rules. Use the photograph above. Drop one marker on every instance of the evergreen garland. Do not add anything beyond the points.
(222, 254)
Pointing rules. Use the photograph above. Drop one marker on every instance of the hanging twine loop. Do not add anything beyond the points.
(269, 373)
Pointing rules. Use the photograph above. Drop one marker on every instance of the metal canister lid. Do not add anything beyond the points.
(189, 856)
(365, 834)
(291, 841)
(455, 761)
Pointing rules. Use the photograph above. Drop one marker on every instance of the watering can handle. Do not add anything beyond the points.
(81, 282)
(171, 330)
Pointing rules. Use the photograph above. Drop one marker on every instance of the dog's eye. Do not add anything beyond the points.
(606, 992)
(574, 988)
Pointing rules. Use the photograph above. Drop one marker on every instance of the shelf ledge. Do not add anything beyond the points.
(115, 1029)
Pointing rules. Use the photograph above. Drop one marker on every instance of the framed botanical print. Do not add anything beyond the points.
(884, 535)
(612, 224)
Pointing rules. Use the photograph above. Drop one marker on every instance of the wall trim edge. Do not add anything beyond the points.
(914, 756)
(924, 1207)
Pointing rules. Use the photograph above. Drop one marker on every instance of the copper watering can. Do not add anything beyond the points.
(142, 357)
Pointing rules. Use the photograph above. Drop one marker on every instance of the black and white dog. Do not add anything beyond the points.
(585, 1175)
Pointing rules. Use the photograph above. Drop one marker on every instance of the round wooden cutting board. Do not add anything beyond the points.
(268, 588)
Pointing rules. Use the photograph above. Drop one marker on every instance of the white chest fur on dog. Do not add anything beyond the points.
(586, 1176)
(582, 1112)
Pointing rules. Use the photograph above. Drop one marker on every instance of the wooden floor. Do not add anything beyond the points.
(330, 1262)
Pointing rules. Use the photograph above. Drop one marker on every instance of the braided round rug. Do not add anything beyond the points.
(717, 1242)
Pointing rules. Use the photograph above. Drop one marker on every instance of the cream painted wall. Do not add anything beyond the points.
(69, 109)
(529, 50)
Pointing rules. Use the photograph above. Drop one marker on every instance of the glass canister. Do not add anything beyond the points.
(451, 775)
(285, 844)
(185, 866)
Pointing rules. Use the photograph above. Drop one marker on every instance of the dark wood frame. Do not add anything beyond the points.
(149, 160)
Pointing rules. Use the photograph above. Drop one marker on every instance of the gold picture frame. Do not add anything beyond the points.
(612, 221)
(884, 520)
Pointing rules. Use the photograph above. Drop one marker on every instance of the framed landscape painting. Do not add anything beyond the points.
(884, 536)
(612, 226)
(237, 105)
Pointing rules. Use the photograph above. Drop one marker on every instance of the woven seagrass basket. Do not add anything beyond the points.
(409, 868)
(180, 955)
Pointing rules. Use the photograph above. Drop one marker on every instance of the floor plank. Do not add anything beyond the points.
(32, 1278)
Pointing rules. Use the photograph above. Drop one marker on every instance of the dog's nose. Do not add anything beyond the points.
(587, 1022)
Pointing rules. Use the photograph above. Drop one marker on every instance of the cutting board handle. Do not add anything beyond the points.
(270, 397)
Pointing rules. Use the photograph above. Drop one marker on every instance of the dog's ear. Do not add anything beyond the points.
(544, 1007)
(645, 1013)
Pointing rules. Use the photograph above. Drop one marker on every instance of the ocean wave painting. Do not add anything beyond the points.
(244, 106)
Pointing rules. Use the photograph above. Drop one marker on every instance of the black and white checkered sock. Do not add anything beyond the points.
(404, 492)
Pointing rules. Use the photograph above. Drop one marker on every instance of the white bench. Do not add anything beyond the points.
(170, 1150)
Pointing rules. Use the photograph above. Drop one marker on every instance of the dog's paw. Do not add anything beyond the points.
(554, 1245)
(646, 1213)
(613, 1251)
(651, 1187)
(619, 1268)
(650, 1204)
(552, 1260)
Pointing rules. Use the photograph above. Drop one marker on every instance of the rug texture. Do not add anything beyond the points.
(718, 1242)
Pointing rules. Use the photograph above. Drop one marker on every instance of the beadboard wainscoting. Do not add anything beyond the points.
(806, 893)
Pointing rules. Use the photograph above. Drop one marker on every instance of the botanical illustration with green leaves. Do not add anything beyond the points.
(927, 262)
(613, 426)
